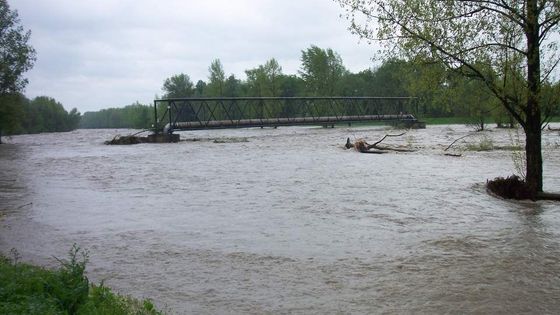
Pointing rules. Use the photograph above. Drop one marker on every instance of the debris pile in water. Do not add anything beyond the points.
(360, 145)
(512, 187)
(125, 140)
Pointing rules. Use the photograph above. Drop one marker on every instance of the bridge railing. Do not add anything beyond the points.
(230, 112)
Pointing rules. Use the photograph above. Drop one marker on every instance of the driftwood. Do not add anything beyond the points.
(363, 147)
(453, 154)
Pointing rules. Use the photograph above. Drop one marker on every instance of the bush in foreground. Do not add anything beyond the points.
(26, 289)
(512, 187)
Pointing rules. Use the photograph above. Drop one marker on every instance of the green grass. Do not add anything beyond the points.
(27, 289)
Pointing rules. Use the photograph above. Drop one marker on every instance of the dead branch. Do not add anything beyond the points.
(374, 152)
(348, 144)
(452, 143)
(378, 142)
(25, 205)
(453, 154)
(384, 148)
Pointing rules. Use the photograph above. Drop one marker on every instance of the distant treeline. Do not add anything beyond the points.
(135, 116)
(19, 115)
(440, 92)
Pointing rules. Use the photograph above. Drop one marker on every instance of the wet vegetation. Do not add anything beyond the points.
(485, 144)
(512, 187)
(27, 289)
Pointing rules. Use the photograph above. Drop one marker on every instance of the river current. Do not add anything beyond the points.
(285, 221)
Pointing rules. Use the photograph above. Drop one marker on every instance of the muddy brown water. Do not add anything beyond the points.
(284, 221)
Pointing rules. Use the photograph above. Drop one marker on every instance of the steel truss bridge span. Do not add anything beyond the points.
(243, 112)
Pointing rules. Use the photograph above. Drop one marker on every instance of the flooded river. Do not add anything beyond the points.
(285, 221)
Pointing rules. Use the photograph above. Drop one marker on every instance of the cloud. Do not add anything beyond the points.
(95, 54)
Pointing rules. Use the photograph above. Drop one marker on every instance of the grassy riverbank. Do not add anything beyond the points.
(27, 289)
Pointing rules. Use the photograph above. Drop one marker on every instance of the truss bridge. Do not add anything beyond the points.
(244, 112)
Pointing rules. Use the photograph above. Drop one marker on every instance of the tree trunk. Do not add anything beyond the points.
(533, 151)
(533, 147)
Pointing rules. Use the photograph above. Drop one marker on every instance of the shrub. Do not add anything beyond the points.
(26, 289)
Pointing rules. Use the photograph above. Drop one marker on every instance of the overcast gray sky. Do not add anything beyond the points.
(94, 54)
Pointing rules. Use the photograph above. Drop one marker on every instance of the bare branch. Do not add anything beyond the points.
(452, 143)
(378, 142)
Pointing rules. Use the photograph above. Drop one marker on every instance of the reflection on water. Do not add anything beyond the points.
(286, 221)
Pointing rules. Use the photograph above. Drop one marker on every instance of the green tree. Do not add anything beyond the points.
(265, 80)
(429, 83)
(273, 74)
(11, 112)
(256, 81)
(390, 79)
(216, 79)
(136, 115)
(291, 86)
(179, 85)
(49, 116)
(468, 98)
(16, 57)
(356, 84)
(232, 87)
(502, 43)
(74, 118)
(199, 89)
(321, 70)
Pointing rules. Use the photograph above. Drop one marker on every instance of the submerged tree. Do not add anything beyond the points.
(506, 44)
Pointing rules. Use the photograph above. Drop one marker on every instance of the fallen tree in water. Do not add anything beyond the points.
(363, 147)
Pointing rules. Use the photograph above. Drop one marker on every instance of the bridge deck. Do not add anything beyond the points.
(282, 121)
